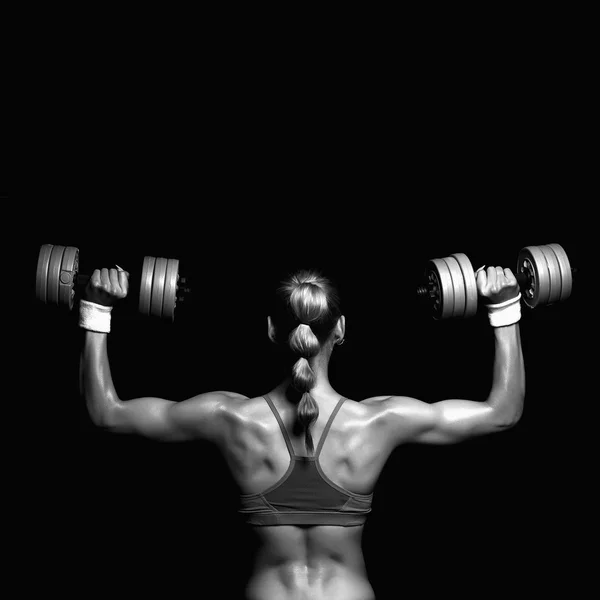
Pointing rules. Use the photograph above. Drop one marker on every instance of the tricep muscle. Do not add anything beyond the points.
(195, 419)
(447, 422)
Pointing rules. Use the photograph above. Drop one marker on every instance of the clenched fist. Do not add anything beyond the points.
(496, 285)
(106, 286)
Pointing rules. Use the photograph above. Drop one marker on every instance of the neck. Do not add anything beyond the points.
(322, 387)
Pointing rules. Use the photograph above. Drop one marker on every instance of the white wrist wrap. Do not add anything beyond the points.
(505, 313)
(94, 317)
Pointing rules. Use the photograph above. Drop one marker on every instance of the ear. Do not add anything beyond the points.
(271, 330)
(340, 328)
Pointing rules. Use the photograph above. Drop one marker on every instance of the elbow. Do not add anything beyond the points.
(507, 410)
(510, 418)
(111, 419)
(516, 418)
(519, 405)
(103, 414)
(508, 423)
(99, 419)
(101, 422)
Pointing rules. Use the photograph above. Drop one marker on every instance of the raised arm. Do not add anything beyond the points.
(408, 420)
(201, 417)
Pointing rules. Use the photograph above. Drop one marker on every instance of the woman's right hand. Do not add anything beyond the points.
(496, 285)
(106, 286)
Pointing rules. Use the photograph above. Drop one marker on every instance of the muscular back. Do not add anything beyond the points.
(353, 456)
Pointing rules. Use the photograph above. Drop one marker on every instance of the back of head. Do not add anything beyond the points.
(307, 311)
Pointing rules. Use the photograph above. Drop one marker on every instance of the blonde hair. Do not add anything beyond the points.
(309, 308)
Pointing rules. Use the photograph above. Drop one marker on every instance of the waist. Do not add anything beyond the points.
(319, 581)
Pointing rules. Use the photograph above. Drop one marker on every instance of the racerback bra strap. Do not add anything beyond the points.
(288, 442)
(329, 422)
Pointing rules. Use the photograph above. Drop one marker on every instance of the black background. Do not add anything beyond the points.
(245, 174)
(458, 507)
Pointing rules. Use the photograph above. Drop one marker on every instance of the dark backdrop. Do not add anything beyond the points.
(366, 184)
(169, 510)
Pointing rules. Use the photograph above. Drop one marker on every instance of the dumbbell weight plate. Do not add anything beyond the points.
(565, 271)
(53, 279)
(170, 296)
(146, 285)
(470, 284)
(531, 259)
(41, 276)
(438, 276)
(554, 273)
(68, 273)
(158, 287)
(458, 287)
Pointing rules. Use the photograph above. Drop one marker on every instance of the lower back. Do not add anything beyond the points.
(308, 562)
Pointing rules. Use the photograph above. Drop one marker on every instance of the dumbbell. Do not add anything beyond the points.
(544, 275)
(59, 282)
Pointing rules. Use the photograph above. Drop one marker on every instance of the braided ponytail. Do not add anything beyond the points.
(311, 300)
(304, 342)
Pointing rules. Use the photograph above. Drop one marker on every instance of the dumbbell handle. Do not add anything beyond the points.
(134, 282)
(83, 278)
(523, 279)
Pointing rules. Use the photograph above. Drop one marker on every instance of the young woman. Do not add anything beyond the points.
(305, 458)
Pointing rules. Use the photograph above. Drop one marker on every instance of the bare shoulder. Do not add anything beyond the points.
(398, 411)
(386, 421)
(243, 409)
(370, 411)
(211, 401)
(396, 404)
(243, 404)
(374, 401)
(380, 405)
(205, 409)
(230, 395)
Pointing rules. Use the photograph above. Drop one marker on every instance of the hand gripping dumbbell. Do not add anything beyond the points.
(544, 275)
(59, 282)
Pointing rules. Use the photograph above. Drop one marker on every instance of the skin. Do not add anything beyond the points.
(317, 562)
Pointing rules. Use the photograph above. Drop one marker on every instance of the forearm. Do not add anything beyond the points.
(96, 381)
(508, 385)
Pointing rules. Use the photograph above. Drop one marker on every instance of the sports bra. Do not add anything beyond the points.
(304, 495)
